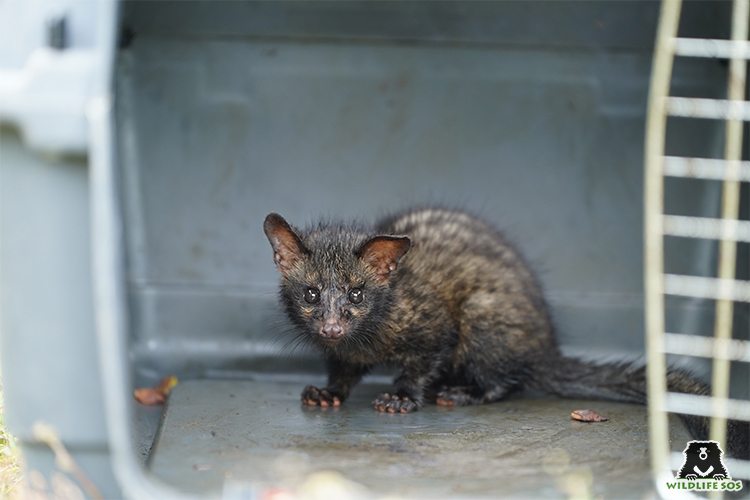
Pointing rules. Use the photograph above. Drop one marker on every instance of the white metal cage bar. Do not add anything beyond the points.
(705, 168)
(704, 227)
(707, 288)
(690, 404)
(719, 49)
(716, 109)
(728, 230)
(707, 347)
(656, 124)
(730, 209)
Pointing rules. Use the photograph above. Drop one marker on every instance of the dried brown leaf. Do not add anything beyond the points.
(587, 416)
(149, 396)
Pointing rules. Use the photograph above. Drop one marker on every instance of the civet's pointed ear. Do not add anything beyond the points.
(382, 254)
(287, 246)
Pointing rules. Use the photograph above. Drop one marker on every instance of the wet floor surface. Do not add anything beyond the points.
(258, 434)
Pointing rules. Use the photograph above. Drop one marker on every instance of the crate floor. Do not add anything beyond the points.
(222, 435)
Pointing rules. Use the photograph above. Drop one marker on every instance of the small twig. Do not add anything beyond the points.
(46, 434)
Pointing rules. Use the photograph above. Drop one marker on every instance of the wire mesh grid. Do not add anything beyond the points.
(724, 289)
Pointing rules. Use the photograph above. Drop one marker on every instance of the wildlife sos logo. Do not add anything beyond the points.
(703, 469)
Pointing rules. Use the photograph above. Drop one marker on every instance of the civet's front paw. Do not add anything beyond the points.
(392, 403)
(312, 396)
(453, 396)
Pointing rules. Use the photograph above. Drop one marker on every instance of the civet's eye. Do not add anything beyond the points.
(312, 296)
(356, 295)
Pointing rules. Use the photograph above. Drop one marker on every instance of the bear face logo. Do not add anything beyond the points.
(703, 460)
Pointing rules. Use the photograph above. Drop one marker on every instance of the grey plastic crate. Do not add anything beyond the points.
(530, 114)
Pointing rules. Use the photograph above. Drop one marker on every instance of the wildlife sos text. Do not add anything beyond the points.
(705, 485)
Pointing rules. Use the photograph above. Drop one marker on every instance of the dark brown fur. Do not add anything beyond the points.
(448, 301)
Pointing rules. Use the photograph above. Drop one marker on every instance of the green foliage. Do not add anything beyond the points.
(10, 469)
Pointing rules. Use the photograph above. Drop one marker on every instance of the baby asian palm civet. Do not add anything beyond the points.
(444, 297)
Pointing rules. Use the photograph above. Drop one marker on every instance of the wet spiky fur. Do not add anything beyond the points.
(452, 304)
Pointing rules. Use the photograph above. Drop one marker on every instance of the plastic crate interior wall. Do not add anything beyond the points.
(529, 114)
